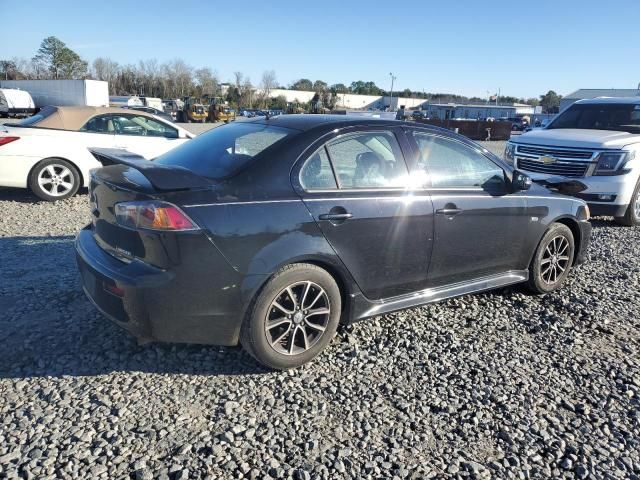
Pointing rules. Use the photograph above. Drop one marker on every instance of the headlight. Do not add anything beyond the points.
(510, 153)
(612, 163)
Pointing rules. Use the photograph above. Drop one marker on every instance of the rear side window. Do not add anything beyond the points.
(368, 160)
(316, 174)
(224, 151)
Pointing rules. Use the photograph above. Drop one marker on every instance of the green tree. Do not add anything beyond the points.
(320, 86)
(302, 84)
(60, 60)
(550, 102)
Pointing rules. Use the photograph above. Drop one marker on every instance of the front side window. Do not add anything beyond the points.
(142, 126)
(368, 160)
(99, 124)
(451, 164)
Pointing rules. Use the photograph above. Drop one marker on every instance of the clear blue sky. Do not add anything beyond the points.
(468, 47)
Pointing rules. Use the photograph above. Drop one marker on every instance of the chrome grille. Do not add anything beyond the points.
(535, 151)
(564, 169)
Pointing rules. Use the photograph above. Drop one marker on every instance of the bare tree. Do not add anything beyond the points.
(207, 81)
(268, 83)
(107, 70)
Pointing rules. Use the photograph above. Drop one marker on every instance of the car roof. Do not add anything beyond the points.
(73, 118)
(611, 100)
(305, 122)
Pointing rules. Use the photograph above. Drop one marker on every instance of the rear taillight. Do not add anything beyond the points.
(5, 140)
(153, 215)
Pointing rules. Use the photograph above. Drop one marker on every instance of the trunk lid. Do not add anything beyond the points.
(129, 178)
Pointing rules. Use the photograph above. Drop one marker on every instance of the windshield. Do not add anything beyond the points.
(618, 117)
(223, 151)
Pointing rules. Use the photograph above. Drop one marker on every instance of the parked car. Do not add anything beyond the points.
(417, 114)
(14, 102)
(270, 232)
(595, 141)
(517, 124)
(48, 152)
(153, 111)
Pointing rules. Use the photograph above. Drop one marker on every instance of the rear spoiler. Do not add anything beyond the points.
(562, 185)
(161, 177)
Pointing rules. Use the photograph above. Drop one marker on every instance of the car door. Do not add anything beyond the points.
(354, 185)
(99, 131)
(479, 226)
(144, 135)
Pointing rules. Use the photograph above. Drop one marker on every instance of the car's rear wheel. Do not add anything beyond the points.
(632, 215)
(553, 259)
(54, 179)
(293, 318)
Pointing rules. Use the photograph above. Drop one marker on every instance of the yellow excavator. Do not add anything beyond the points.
(192, 111)
(220, 111)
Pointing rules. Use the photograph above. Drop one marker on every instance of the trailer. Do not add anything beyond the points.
(14, 102)
(91, 93)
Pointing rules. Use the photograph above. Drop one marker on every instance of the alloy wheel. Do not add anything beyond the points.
(636, 206)
(56, 180)
(297, 318)
(555, 260)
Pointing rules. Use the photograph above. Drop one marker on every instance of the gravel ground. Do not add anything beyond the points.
(496, 385)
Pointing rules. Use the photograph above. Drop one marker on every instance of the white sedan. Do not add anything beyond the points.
(48, 152)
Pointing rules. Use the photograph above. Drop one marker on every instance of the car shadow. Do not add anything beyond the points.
(24, 195)
(49, 328)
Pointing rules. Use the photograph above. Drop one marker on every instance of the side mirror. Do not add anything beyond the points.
(521, 181)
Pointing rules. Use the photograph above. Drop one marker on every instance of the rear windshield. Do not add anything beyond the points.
(34, 119)
(223, 151)
(610, 116)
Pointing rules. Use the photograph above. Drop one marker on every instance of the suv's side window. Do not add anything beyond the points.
(368, 160)
(451, 164)
(99, 124)
(316, 174)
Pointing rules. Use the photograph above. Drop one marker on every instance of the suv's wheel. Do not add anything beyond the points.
(552, 260)
(632, 215)
(293, 318)
(54, 179)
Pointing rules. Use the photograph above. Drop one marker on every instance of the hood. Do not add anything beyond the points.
(577, 138)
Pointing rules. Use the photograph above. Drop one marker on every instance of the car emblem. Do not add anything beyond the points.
(548, 159)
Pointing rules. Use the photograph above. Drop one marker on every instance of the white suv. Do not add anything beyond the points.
(596, 142)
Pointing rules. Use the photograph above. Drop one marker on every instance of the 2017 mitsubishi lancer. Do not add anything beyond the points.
(270, 232)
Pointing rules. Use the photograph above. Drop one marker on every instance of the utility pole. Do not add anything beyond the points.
(391, 93)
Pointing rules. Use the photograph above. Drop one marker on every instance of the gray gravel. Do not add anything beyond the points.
(497, 385)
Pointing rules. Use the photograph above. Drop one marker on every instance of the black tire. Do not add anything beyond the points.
(632, 214)
(259, 341)
(541, 279)
(64, 178)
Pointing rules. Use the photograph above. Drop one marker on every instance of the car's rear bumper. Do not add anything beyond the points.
(153, 304)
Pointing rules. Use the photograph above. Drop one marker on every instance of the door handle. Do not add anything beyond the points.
(449, 212)
(335, 216)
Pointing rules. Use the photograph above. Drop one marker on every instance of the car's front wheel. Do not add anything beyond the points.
(553, 259)
(54, 179)
(293, 318)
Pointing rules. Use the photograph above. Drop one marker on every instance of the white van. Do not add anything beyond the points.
(15, 102)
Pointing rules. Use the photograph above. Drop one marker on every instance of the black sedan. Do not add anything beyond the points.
(271, 232)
